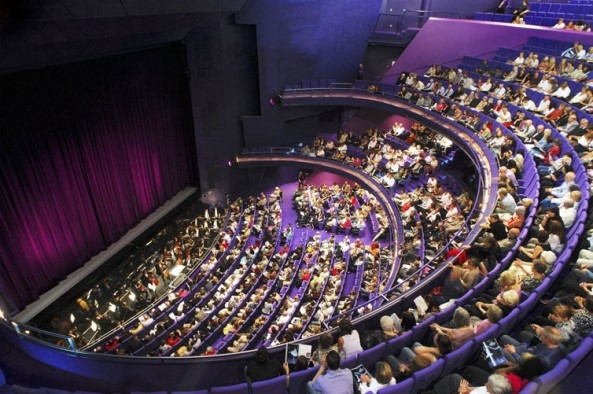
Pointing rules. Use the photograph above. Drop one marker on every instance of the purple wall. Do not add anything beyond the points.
(303, 40)
(446, 41)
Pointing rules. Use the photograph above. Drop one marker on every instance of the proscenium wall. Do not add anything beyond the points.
(222, 65)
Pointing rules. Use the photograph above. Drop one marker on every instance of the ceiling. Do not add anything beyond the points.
(39, 33)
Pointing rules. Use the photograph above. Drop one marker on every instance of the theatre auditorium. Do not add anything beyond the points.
(296, 196)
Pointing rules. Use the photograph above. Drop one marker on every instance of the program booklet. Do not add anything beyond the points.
(358, 371)
(421, 305)
(493, 353)
(293, 351)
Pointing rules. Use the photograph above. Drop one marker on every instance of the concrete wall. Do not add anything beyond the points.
(237, 65)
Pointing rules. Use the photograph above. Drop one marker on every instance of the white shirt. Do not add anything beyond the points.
(486, 86)
(529, 106)
(374, 386)
(562, 92)
(500, 91)
(544, 85)
(543, 106)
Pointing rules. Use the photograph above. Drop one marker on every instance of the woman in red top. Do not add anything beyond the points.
(553, 153)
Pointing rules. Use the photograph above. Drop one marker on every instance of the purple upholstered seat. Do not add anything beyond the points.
(276, 385)
(298, 380)
(425, 377)
(240, 388)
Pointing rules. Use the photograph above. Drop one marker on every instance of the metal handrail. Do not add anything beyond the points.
(422, 17)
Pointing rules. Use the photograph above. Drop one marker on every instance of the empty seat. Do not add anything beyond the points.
(370, 356)
(488, 16)
(349, 362)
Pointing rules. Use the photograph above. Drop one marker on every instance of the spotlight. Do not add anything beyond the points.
(132, 296)
(232, 161)
(72, 318)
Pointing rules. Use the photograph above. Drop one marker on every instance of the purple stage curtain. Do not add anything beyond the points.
(87, 150)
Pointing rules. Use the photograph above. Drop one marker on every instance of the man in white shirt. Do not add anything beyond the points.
(388, 181)
(527, 131)
(506, 202)
(486, 86)
(580, 96)
(544, 105)
(519, 60)
(562, 92)
(544, 85)
(528, 104)
(560, 24)
(500, 91)
(454, 383)
(568, 213)
(449, 91)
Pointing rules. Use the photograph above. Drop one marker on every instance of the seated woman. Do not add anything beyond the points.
(534, 247)
(530, 274)
(507, 301)
(326, 345)
(458, 336)
(383, 378)
(419, 357)
(349, 340)
(493, 316)
(559, 317)
(517, 374)
(557, 236)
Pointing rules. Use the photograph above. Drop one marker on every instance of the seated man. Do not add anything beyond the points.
(509, 242)
(550, 350)
(496, 384)
(506, 202)
(331, 378)
(264, 367)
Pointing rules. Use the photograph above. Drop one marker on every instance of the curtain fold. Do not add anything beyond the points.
(86, 151)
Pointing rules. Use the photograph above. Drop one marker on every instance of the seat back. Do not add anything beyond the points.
(298, 380)
(240, 388)
(276, 385)
(369, 357)
(425, 377)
